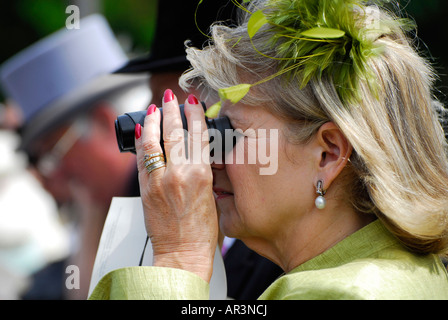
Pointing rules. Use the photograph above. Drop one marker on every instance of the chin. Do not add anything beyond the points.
(230, 225)
(227, 225)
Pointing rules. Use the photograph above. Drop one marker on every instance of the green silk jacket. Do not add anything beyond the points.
(369, 264)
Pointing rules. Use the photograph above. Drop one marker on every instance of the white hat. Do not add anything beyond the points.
(63, 73)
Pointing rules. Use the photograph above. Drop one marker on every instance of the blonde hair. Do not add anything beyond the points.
(399, 158)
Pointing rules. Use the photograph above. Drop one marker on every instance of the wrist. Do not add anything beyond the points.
(198, 263)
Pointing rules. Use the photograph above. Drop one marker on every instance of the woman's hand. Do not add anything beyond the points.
(179, 207)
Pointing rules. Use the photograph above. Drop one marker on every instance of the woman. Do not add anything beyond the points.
(357, 208)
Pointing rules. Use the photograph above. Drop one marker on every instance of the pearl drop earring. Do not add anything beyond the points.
(320, 201)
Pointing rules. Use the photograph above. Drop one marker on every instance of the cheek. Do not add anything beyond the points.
(248, 188)
(244, 172)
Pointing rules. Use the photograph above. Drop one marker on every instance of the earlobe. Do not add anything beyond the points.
(335, 151)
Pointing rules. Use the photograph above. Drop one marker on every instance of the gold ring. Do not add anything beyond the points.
(154, 161)
(156, 165)
(150, 161)
(152, 155)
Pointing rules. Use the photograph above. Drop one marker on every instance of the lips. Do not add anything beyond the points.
(221, 193)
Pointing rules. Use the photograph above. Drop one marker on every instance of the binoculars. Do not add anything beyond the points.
(125, 127)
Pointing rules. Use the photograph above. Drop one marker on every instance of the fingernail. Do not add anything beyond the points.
(168, 96)
(151, 109)
(138, 131)
(192, 99)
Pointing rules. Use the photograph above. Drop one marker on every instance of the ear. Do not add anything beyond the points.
(335, 151)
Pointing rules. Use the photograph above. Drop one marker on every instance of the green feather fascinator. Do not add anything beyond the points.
(313, 38)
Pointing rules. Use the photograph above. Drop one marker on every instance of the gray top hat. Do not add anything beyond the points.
(62, 74)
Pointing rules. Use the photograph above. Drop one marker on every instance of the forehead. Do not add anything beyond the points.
(240, 113)
(248, 115)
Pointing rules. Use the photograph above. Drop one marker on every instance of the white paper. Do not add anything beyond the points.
(122, 242)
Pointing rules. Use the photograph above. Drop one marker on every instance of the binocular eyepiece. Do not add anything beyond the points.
(125, 127)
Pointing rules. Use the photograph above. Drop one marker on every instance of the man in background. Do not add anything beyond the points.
(69, 101)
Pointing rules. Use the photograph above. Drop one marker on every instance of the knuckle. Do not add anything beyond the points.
(201, 176)
(176, 136)
(204, 174)
(150, 143)
(174, 181)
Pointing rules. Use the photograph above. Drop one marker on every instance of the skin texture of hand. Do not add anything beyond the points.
(180, 213)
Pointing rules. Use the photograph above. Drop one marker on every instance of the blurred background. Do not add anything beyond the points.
(38, 235)
(22, 23)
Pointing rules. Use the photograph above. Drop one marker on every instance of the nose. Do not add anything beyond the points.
(218, 171)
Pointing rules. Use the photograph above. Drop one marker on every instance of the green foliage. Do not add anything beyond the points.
(136, 18)
(45, 16)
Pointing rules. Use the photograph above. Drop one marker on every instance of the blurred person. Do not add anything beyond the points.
(69, 101)
(31, 232)
(248, 274)
(358, 208)
(10, 116)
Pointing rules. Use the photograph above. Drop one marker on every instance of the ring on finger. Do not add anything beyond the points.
(154, 161)
(156, 165)
(152, 155)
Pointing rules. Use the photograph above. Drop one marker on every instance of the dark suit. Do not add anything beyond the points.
(248, 273)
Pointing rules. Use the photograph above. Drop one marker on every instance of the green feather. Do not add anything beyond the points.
(344, 48)
(323, 33)
(213, 111)
(235, 93)
(316, 38)
(256, 21)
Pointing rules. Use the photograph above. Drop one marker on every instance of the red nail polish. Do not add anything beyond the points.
(151, 109)
(168, 96)
(138, 131)
(192, 99)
